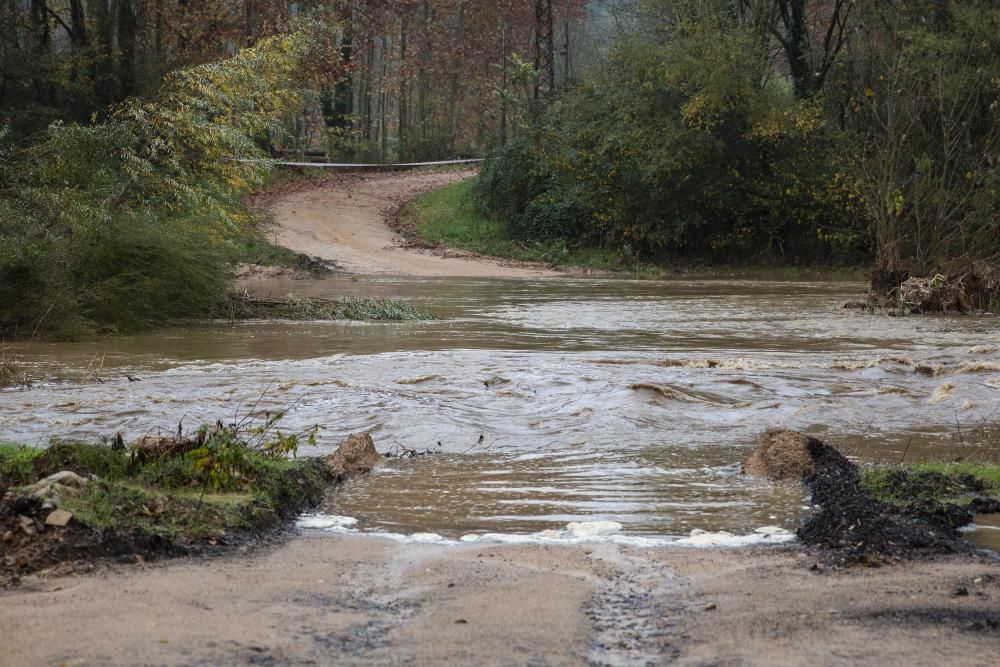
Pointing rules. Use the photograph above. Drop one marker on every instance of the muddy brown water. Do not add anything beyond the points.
(552, 401)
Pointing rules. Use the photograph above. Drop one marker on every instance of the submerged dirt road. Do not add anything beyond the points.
(344, 219)
(356, 600)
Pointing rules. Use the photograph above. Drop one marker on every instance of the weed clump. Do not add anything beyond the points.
(13, 373)
(246, 306)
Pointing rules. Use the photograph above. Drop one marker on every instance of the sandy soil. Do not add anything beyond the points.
(344, 220)
(349, 600)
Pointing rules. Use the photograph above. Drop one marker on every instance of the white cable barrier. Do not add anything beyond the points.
(374, 165)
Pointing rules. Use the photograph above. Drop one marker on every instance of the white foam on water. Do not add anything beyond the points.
(577, 532)
(765, 535)
(593, 528)
(326, 522)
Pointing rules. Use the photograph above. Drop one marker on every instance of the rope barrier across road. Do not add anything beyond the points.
(374, 165)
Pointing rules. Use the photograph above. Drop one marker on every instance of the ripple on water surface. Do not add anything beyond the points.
(615, 401)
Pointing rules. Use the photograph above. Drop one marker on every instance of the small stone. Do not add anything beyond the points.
(58, 518)
(28, 525)
(8, 536)
(461, 621)
(961, 592)
(48, 506)
(710, 607)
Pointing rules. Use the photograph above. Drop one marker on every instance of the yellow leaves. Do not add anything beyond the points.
(897, 204)
(699, 113)
(869, 92)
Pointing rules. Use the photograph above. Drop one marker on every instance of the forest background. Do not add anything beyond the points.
(720, 131)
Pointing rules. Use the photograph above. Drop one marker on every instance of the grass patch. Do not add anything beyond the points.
(245, 306)
(17, 462)
(185, 514)
(173, 491)
(447, 216)
(253, 248)
(931, 484)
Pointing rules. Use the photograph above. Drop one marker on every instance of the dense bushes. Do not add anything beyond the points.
(667, 161)
(694, 141)
(117, 224)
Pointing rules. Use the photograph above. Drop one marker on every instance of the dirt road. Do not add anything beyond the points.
(344, 220)
(355, 600)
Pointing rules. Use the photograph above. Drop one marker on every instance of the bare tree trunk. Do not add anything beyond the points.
(404, 100)
(455, 101)
(503, 82)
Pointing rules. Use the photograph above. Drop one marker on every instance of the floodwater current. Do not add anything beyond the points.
(552, 401)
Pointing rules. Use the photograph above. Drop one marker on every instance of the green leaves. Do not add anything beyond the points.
(128, 220)
(228, 457)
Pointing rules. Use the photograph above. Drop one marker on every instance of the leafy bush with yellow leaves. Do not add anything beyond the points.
(114, 225)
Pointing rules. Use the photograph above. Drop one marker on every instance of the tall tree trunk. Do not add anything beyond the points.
(41, 43)
(383, 102)
(455, 103)
(796, 45)
(503, 82)
(102, 69)
(127, 28)
(423, 82)
(78, 24)
(403, 88)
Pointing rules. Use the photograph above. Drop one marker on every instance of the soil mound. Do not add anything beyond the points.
(355, 456)
(30, 542)
(782, 454)
(857, 527)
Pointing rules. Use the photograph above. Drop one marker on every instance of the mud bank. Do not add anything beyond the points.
(858, 518)
(362, 600)
(73, 507)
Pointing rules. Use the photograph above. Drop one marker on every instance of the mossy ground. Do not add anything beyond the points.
(153, 506)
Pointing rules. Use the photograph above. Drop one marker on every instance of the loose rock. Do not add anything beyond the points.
(355, 456)
(65, 484)
(59, 518)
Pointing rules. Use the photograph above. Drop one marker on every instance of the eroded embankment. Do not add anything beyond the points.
(68, 506)
(857, 519)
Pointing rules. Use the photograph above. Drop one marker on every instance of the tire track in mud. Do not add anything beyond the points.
(635, 612)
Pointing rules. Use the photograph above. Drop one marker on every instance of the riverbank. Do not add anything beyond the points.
(367, 600)
(69, 506)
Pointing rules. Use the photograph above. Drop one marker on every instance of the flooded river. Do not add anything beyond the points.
(553, 401)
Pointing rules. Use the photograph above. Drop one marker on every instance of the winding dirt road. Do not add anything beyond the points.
(344, 219)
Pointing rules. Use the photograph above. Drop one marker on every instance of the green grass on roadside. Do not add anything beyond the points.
(160, 497)
(931, 482)
(17, 461)
(447, 216)
(252, 248)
